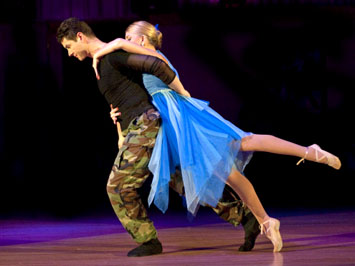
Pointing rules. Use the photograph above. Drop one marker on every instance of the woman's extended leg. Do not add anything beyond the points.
(272, 144)
(247, 194)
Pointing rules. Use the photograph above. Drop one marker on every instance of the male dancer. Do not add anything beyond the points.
(121, 84)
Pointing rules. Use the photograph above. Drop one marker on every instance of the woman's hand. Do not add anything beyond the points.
(95, 62)
(114, 113)
(185, 93)
(104, 50)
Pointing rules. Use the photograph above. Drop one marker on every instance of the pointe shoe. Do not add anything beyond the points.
(272, 233)
(332, 160)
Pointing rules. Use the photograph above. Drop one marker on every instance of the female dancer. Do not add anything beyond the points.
(209, 149)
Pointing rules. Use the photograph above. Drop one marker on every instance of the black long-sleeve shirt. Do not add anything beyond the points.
(122, 85)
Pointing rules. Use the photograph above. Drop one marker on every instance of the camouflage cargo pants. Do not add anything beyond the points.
(129, 172)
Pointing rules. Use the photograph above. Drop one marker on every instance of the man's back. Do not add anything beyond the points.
(122, 86)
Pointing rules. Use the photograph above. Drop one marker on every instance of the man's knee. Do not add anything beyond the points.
(114, 184)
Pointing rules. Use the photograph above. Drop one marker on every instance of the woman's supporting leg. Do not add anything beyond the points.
(272, 144)
(246, 192)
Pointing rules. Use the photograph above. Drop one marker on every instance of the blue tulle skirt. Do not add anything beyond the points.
(201, 143)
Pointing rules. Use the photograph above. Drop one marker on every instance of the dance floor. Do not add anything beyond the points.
(310, 238)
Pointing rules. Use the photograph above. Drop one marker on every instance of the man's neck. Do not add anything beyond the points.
(94, 45)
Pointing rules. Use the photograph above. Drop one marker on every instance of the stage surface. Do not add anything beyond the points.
(322, 237)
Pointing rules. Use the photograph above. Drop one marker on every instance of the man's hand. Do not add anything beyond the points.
(120, 142)
(114, 113)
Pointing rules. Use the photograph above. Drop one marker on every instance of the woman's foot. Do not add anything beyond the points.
(271, 227)
(321, 156)
(329, 158)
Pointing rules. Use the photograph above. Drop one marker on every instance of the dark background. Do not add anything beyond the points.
(282, 69)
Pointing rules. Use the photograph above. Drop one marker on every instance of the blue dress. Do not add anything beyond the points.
(195, 138)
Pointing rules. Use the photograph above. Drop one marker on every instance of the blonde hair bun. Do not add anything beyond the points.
(153, 34)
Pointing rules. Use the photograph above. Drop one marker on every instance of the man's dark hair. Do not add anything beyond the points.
(70, 27)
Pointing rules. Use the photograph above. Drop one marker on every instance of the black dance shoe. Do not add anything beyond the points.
(149, 248)
(252, 230)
